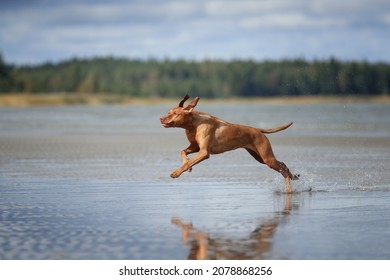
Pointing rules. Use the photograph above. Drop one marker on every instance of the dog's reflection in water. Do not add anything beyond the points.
(256, 246)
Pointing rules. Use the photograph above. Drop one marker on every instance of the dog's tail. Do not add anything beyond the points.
(276, 129)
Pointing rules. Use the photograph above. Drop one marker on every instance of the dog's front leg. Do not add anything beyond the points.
(200, 156)
(192, 148)
(185, 159)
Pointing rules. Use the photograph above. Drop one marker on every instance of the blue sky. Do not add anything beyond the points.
(38, 31)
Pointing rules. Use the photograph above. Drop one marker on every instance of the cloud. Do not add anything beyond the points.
(290, 21)
(41, 30)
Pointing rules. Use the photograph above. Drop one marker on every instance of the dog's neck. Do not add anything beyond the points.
(197, 118)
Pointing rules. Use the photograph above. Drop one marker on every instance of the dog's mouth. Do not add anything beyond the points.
(166, 125)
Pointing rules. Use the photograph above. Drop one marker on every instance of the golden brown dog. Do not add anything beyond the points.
(210, 135)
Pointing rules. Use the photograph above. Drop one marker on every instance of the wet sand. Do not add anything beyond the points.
(93, 183)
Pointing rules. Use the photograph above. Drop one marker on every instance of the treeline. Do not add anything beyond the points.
(213, 79)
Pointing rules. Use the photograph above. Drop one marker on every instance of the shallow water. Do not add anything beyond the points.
(93, 183)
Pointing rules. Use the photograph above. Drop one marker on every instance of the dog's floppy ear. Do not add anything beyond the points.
(181, 104)
(190, 107)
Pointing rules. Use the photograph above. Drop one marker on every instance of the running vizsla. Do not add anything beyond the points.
(210, 135)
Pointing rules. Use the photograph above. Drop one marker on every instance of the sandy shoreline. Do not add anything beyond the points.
(92, 182)
(91, 196)
(58, 99)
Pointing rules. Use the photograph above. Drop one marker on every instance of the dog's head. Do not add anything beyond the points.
(179, 115)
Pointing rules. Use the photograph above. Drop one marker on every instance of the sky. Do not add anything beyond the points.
(39, 31)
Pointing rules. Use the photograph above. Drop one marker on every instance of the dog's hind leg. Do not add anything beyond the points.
(264, 154)
(282, 169)
(255, 155)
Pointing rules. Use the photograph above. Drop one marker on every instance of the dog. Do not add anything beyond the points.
(210, 135)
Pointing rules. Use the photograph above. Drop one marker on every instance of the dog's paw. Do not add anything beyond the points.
(175, 174)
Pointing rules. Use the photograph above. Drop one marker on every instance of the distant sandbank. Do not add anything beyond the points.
(58, 99)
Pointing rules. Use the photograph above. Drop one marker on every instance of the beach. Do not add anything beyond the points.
(93, 182)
